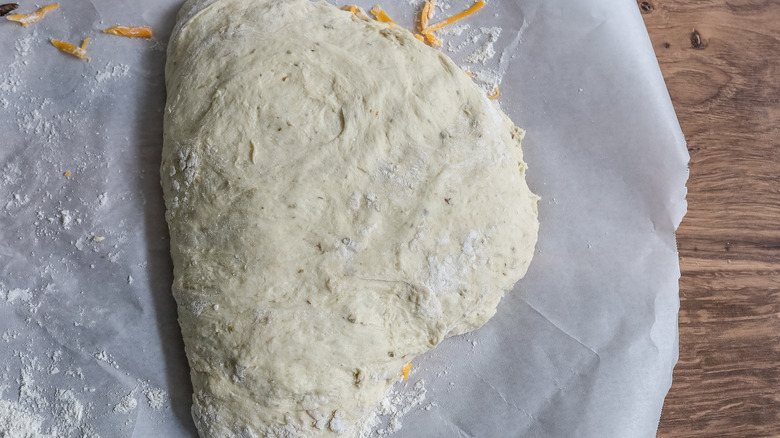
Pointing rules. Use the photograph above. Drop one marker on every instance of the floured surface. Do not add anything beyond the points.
(606, 157)
(320, 246)
(87, 328)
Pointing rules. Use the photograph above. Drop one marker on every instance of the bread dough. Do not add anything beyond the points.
(340, 198)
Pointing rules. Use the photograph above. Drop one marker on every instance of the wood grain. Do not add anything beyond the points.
(721, 62)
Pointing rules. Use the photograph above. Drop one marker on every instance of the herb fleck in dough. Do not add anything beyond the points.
(340, 198)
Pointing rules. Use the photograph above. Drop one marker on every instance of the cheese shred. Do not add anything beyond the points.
(426, 30)
(78, 52)
(427, 14)
(432, 40)
(446, 22)
(381, 15)
(26, 19)
(405, 371)
(130, 31)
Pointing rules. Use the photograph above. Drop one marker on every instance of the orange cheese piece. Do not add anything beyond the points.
(432, 40)
(427, 13)
(78, 52)
(405, 371)
(130, 31)
(474, 8)
(381, 15)
(26, 19)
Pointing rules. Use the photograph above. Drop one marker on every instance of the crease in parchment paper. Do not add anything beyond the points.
(95, 8)
(666, 307)
(497, 391)
(560, 329)
(506, 388)
(505, 59)
(454, 427)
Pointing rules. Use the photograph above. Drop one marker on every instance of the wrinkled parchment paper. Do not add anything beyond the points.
(584, 346)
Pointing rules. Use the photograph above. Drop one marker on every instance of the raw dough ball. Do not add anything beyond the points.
(340, 198)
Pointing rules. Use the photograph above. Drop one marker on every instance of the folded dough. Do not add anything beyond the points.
(340, 199)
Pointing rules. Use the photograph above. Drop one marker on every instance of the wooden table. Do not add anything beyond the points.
(721, 62)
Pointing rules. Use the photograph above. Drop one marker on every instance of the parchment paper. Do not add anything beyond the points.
(584, 346)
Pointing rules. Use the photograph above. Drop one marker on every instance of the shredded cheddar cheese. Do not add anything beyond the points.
(67, 173)
(427, 29)
(78, 52)
(381, 15)
(446, 22)
(495, 94)
(427, 14)
(130, 31)
(26, 19)
(405, 372)
(432, 40)
(352, 8)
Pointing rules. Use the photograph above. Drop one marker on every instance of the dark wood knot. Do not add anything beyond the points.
(646, 7)
(696, 41)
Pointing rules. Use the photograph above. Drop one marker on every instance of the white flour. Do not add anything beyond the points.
(15, 422)
(399, 401)
(57, 379)
(112, 71)
(15, 295)
(127, 404)
(156, 398)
